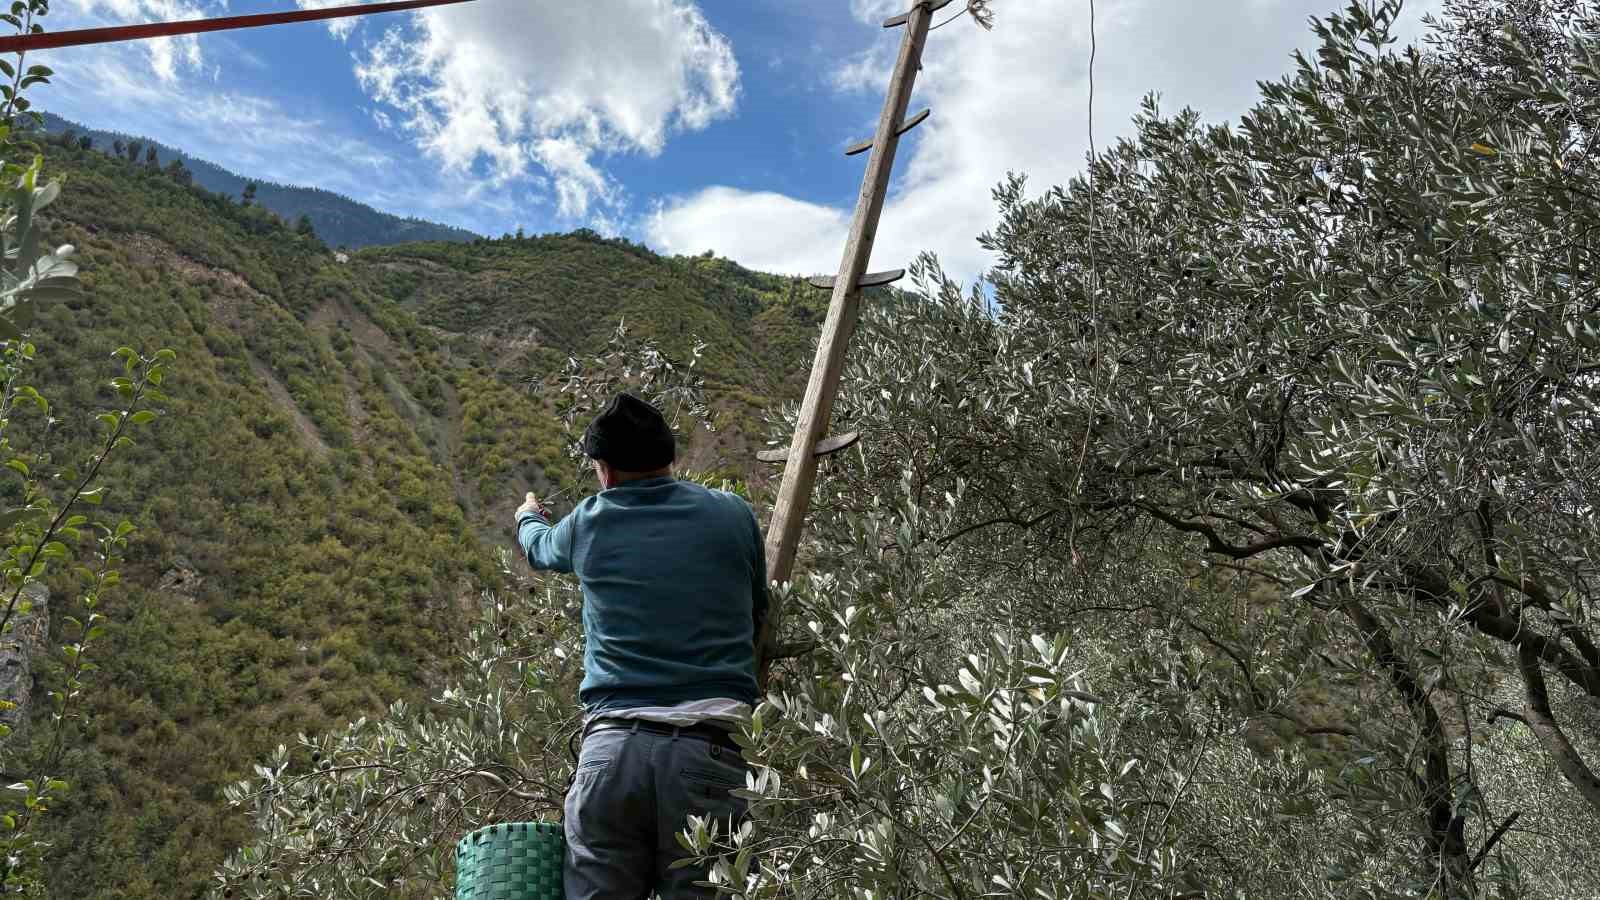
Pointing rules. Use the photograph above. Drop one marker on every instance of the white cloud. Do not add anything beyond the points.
(1014, 99)
(576, 179)
(552, 85)
(791, 236)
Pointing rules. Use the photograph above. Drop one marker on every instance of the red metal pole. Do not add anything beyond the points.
(48, 39)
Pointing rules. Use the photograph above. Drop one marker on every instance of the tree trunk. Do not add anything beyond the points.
(1444, 831)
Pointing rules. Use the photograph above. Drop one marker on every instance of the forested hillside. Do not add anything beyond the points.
(318, 504)
(339, 220)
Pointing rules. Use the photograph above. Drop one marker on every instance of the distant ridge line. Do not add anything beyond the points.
(339, 220)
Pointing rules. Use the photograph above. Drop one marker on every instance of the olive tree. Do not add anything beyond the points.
(1290, 426)
(1352, 341)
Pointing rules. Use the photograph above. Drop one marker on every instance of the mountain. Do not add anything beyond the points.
(319, 505)
(340, 221)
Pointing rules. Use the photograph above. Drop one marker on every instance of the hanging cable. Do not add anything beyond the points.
(1097, 360)
(978, 9)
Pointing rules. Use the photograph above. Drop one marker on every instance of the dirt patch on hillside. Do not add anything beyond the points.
(502, 350)
(231, 295)
(145, 249)
(280, 396)
(341, 314)
(411, 264)
(357, 411)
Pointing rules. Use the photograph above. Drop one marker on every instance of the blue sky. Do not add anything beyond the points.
(689, 125)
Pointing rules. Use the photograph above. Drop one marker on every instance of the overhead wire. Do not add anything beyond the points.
(978, 9)
(1092, 287)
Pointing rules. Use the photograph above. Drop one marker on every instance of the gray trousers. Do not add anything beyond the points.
(632, 793)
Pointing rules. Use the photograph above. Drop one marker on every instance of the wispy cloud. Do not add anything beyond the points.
(168, 56)
(103, 87)
(178, 98)
(339, 28)
(867, 71)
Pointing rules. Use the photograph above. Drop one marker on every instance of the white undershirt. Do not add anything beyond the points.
(721, 711)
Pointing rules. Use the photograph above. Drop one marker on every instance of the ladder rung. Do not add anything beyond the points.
(896, 21)
(871, 279)
(864, 146)
(824, 447)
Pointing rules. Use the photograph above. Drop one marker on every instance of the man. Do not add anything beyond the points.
(674, 582)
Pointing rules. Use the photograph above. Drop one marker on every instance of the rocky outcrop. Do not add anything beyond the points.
(18, 650)
(181, 580)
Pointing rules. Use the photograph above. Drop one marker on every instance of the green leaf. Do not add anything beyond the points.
(46, 195)
(142, 417)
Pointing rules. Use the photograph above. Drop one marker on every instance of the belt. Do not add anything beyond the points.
(704, 732)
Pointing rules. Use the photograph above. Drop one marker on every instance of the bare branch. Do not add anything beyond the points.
(792, 649)
(1002, 520)
(1501, 712)
(1494, 839)
(1541, 719)
(1216, 544)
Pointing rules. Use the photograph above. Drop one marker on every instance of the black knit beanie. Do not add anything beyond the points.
(630, 435)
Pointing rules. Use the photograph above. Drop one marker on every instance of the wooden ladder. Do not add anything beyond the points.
(808, 444)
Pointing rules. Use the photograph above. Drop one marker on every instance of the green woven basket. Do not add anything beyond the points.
(515, 861)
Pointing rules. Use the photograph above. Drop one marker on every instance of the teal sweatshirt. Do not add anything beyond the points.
(674, 580)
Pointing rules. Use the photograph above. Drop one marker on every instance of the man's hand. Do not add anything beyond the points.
(530, 505)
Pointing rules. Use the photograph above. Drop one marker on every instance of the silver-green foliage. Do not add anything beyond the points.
(1346, 347)
(1289, 427)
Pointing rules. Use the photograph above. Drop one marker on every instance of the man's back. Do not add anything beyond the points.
(671, 575)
